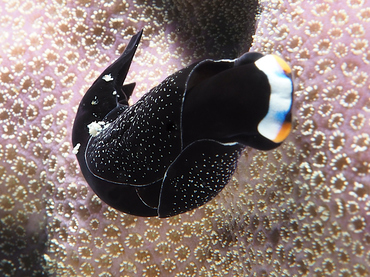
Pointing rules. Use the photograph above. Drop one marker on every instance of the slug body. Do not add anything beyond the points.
(177, 147)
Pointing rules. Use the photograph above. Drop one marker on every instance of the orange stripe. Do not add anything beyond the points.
(284, 132)
(283, 64)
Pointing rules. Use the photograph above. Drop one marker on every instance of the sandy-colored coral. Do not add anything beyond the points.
(302, 209)
(325, 171)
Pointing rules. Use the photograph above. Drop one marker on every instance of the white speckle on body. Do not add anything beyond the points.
(95, 128)
(108, 77)
(95, 101)
(76, 148)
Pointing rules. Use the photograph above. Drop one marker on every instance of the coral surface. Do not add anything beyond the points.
(302, 209)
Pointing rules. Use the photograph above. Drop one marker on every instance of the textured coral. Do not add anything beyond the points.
(319, 183)
(302, 209)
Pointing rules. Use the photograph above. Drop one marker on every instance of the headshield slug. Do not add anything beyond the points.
(178, 146)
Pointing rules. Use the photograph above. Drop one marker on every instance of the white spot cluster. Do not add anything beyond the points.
(95, 128)
(76, 148)
(95, 101)
(107, 78)
(139, 145)
(208, 175)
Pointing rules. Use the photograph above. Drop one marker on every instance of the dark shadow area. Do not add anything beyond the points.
(21, 253)
(203, 28)
(214, 28)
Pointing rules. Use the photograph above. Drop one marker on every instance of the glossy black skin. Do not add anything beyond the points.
(216, 110)
(228, 106)
(123, 198)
